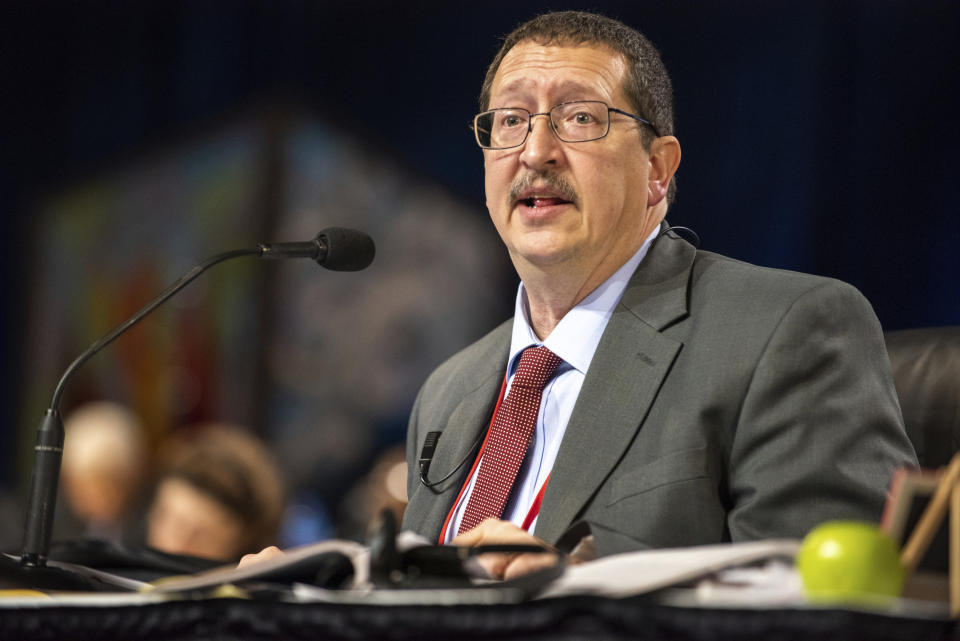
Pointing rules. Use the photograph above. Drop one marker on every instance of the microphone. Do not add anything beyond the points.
(426, 455)
(426, 458)
(335, 248)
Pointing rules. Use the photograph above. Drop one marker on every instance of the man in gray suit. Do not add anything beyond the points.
(698, 399)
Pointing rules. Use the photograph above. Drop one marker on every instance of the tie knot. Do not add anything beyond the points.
(537, 366)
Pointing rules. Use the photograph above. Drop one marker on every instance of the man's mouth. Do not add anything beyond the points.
(541, 191)
(541, 201)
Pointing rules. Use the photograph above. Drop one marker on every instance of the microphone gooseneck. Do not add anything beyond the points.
(335, 248)
(166, 294)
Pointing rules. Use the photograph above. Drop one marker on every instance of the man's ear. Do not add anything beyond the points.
(664, 160)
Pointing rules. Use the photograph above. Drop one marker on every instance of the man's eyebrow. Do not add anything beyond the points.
(516, 86)
(574, 87)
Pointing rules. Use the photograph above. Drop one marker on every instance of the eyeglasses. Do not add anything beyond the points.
(577, 121)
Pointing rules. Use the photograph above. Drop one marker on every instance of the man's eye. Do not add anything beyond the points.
(583, 118)
(512, 121)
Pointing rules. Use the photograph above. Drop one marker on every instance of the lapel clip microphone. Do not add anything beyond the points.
(426, 454)
(426, 457)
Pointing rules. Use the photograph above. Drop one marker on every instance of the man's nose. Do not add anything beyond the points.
(542, 146)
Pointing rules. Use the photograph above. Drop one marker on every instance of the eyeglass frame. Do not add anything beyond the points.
(553, 127)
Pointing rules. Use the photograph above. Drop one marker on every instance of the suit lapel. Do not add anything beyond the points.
(465, 424)
(630, 364)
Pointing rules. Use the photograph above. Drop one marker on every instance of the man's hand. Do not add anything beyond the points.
(262, 555)
(506, 566)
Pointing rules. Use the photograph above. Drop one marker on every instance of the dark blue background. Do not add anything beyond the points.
(817, 136)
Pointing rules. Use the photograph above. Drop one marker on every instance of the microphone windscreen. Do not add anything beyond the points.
(347, 250)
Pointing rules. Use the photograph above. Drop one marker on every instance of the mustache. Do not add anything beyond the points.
(542, 179)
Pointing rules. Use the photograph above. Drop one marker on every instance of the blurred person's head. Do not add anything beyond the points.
(219, 495)
(384, 487)
(104, 464)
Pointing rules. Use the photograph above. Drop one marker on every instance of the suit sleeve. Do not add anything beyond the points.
(820, 432)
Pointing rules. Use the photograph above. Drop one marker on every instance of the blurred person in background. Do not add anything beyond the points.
(384, 487)
(219, 495)
(104, 469)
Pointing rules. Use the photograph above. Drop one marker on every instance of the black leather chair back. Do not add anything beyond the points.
(926, 372)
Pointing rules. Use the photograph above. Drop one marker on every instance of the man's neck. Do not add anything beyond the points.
(554, 290)
(551, 296)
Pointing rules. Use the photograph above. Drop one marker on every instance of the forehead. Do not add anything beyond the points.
(588, 71)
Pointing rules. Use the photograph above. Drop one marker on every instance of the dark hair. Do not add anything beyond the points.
(647, 85)
(236, 470)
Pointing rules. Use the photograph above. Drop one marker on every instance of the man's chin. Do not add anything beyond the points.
(541, 255)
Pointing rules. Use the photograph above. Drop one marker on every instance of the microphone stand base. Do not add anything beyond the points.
(16, 576)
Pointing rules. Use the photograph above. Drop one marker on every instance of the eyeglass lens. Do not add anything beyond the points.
(572, 121)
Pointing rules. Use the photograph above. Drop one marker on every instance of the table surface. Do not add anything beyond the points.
(566, 618)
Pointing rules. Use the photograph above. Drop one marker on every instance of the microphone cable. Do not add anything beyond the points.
(694, 238)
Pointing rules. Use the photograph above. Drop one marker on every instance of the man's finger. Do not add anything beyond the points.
(505, 566)
(491, 531)
(526, 563)
(262, 555)
(494, 563)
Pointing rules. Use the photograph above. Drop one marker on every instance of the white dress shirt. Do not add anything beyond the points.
(574, 339)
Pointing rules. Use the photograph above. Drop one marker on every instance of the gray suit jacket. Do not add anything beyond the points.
(725, 402)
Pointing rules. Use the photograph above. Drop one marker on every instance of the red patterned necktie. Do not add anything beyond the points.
(509, 437)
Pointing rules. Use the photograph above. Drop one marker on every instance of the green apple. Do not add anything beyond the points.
(849, 561)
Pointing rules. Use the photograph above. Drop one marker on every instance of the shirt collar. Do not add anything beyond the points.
(576, 336)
